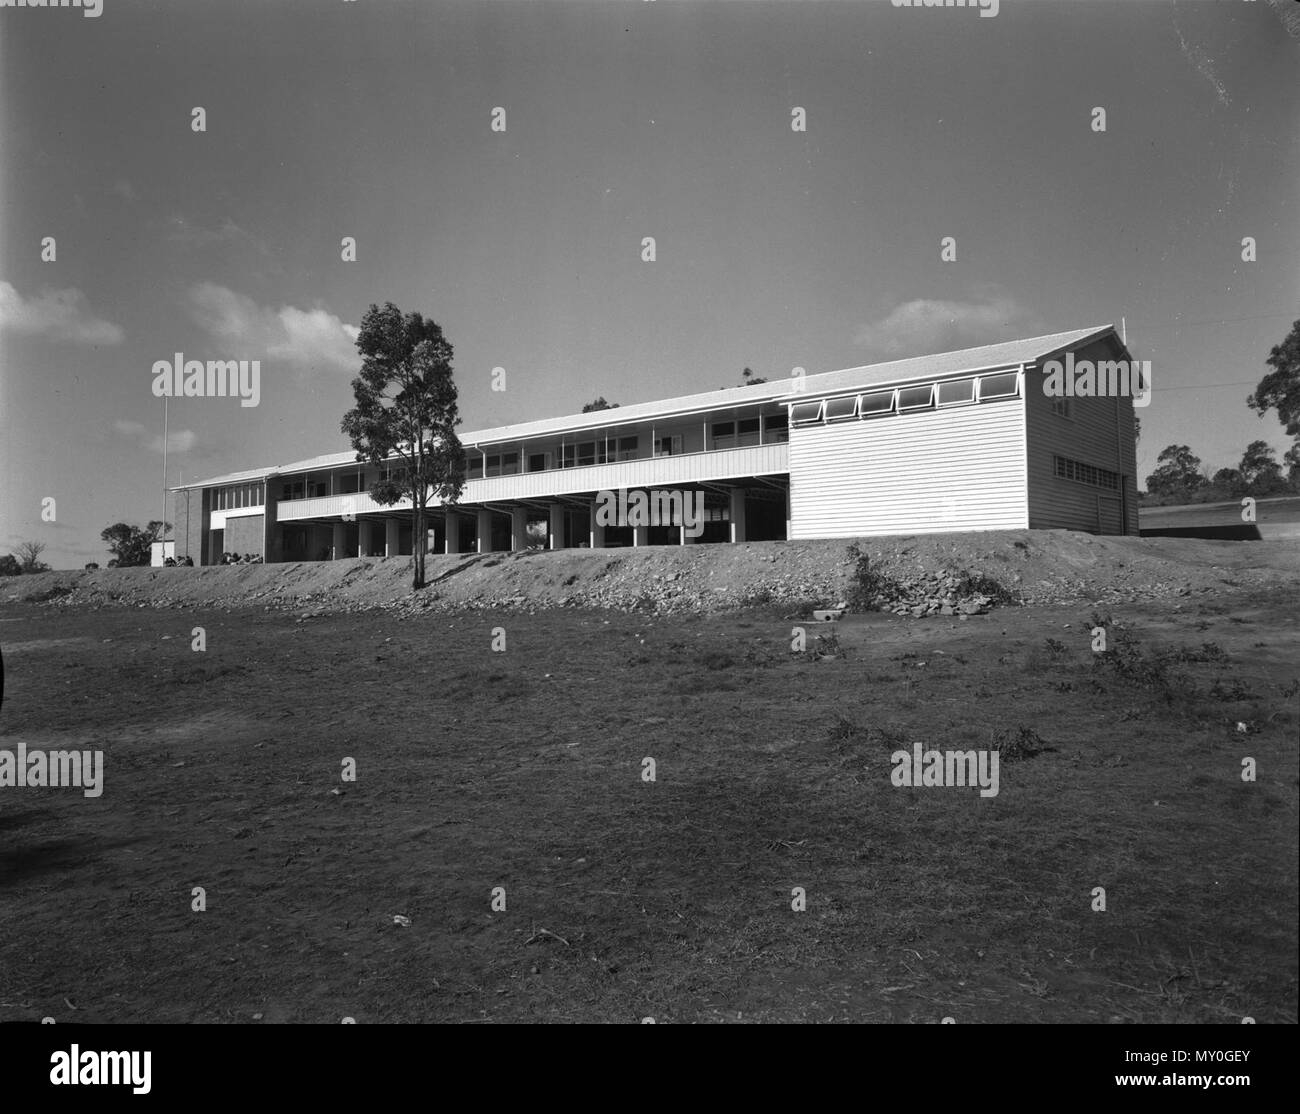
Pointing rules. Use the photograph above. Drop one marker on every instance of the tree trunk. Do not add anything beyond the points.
(419, 543)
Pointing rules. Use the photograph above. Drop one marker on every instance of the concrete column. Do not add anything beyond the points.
(518, 529)
(363, 538)
(737, 514)
(555, 527)
(340, 541)
(392, 543)
(640, 536)
(452, 540)
(484, 530)
(787, 513)
(597, 531)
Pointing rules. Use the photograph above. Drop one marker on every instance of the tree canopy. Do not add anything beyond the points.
(1280, 389)
(406, 415)
(130, 545)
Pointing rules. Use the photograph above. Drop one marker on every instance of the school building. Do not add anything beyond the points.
(957, 441)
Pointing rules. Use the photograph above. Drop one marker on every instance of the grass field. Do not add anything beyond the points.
(669, 899)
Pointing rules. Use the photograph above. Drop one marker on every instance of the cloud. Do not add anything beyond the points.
(927, 325)
(306, 336)
(191, 234)
(178, 440)
(55, 315)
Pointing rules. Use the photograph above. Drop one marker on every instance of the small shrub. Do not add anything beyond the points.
(1234, 690)
(1019, 744)
(977, 584)
(1210, 652)
(869, 588)
(828, 646)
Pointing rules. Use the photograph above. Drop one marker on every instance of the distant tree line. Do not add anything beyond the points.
(26, 558)
(1180, 476)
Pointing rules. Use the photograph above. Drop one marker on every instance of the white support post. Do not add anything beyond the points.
(737, 514)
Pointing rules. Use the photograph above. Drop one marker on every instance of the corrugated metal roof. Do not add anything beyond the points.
(1006, 354)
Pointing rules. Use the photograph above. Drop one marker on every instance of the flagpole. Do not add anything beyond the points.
(163, 531)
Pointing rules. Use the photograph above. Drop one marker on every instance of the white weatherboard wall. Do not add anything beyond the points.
(958, 468)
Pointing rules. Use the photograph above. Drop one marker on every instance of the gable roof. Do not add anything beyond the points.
(1011, 353)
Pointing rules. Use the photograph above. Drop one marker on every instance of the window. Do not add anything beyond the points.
(747, 431)
(805, 413)
(568, 456)
(999, 386)
(916, 398)
(777, 427)
(586, 453)
(1082, 473)
(537, 462)
(492, 466)
(1061, 406)
(474, 468)
(509, 464)
(837, 409)
(956, 392)
(627, 448)
(668, 446)
(873, 405)
(724, 435)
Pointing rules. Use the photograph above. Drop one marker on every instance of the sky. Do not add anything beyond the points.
(623, 119)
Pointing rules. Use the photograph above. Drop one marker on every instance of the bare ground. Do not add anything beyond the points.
(523, 769)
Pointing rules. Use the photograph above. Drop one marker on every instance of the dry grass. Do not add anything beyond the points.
(628, 899)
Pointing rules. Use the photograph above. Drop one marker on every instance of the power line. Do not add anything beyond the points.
(1211, 386)
(1222, 321)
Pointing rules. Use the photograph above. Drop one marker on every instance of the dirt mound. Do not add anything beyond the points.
(1032, 567)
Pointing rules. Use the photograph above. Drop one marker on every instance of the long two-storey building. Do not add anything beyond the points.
(958, 441)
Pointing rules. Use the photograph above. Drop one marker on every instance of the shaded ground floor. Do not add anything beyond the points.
(735, 514)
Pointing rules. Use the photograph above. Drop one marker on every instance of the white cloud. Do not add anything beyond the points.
(305, 336)
(926, 325)
(55, 315)
(181, 230)
(178, 440)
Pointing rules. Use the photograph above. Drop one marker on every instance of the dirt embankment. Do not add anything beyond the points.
(1035, 566)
